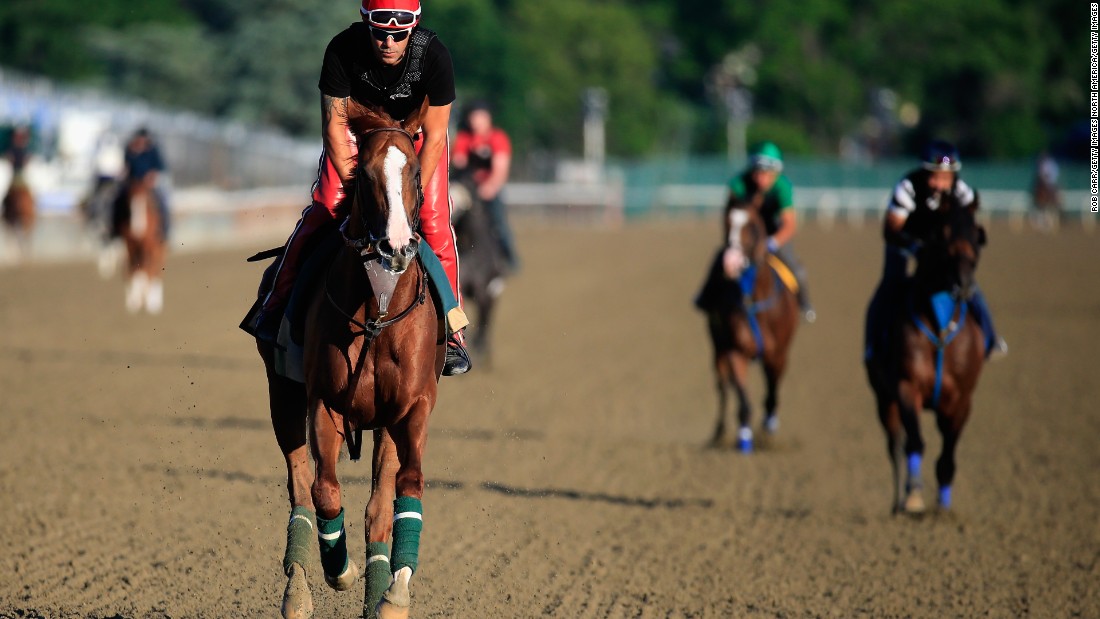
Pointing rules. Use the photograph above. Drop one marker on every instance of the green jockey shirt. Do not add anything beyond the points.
(779, 198)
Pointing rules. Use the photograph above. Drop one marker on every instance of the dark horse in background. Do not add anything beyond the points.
(19, 213)
(484, 266)
(752, 313)
(373, 353)
(934, 352)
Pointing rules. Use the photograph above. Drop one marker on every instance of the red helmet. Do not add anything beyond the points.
(392, 14)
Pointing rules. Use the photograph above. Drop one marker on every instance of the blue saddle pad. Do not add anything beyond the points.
(943, 306)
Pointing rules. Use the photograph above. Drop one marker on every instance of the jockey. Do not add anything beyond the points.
(144, 164)
(922, 188)
(764, 184)
(487, 152)
(389, 61)
(19, 153)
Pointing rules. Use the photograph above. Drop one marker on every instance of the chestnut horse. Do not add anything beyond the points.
(19, 213)
(138, 222)
(935, 352)
(752, 314)
(373, 353)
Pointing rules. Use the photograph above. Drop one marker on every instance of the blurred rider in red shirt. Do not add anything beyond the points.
(486, 152)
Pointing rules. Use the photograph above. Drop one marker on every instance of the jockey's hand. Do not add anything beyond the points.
(733, 262)
(773, 245)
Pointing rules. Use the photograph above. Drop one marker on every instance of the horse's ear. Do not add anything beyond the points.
(415, 120)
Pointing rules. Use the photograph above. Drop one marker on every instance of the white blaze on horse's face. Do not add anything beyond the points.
(733, 260)
(397, 226)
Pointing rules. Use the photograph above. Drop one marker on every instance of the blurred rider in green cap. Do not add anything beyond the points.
(763, 184)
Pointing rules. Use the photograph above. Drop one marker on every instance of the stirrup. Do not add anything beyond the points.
(457, 360)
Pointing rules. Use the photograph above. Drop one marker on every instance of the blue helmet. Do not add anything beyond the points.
(941, 155)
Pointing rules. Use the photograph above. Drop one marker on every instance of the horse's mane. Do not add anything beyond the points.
(363, 118)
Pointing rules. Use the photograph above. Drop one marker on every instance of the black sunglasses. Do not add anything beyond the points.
(382, 35)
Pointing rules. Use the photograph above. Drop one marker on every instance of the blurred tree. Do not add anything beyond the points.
(1002, 77)
(46, 36)
(569, 45)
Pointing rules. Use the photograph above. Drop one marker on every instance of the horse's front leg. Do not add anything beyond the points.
(288, 418)
(327, 438)
(890, 418)
(951, 426)
(740, 364)
(773, 372)
(409, 437)
(379, 519)
(909, 408)
(154, 294)
(723, 374)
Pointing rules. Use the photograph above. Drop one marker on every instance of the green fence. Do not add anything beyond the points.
(644, 183)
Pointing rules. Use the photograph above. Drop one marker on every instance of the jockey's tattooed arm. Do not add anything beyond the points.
(334, 132)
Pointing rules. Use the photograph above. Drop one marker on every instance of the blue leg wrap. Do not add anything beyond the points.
(915, 460)
(408, 522)
(333, 542)
(945, 497)
(744, 440)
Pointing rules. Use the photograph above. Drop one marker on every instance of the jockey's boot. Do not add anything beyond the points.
(264, 324)
(457, 360)
(999, 349)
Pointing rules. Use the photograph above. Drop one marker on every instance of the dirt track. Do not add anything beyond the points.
(141, 478)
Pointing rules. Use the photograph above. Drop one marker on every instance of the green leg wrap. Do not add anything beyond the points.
(299, 536)
(334, 544)
(378, 575)
(407, 523)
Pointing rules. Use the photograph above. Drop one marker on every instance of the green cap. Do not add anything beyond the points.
(766, 156)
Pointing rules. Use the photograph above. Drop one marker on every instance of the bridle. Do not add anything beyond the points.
(370, 247)
(377, 258)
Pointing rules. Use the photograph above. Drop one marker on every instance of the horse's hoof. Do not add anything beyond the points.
(297, 601)
(914, 502)
(344, 581)
(771, 424)
(154, 297)
(397, 599)
(744, 440)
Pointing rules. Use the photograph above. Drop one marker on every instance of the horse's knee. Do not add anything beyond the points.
(326, 497)
(410, 483)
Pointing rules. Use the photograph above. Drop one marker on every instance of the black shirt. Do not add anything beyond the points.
(351, 69)
(140, 164)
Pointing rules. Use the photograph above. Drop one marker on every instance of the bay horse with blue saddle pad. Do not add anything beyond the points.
(373, 350)
(934, 351)
(752, 313)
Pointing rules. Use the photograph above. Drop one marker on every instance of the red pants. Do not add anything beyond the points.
(328, 194)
